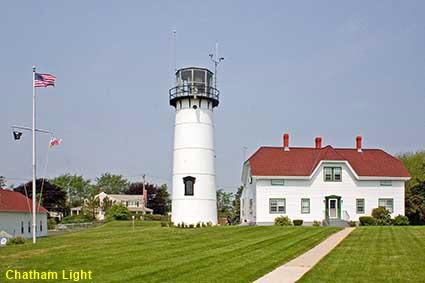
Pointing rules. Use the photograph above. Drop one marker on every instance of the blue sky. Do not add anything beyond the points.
(334, 69)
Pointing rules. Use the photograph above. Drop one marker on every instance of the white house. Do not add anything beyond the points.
(325, 184)
(134, 203)
(16, 215)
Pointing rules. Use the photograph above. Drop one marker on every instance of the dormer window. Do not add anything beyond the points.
(189, 183)
(332, 174)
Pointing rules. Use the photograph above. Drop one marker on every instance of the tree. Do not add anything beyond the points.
(415, 187)
(224, 203)
(2, 182)
(111, 184)
(53, 198)
(118, 212)
(106, 204)
(237, 204)
(415, 204)
(161, 203)
(77, 188)
(415, 164)
(91, 205)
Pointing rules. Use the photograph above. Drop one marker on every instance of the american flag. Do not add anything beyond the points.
(44, 80)
(54, 141)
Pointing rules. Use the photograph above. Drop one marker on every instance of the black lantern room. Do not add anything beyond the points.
(194, 83)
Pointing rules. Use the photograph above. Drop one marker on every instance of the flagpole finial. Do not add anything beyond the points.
(33, 68)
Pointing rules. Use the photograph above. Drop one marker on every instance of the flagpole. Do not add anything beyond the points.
(34, 225)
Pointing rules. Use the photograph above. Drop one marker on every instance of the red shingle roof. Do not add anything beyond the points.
(275, 161)
(16, 202)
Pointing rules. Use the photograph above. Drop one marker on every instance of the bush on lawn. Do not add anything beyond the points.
(156, 217)
(382, 216)
(378, 212)
(118, 212)
(81, 218)
(164, 224)
(16, 241)
(367, 221)
(298, 222)
(51, 224)
(316, 223)
(401, 220)
(352, 223)
(282, 221)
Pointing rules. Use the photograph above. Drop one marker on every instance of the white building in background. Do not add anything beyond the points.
(16, 215)
(134, 203)
(326, 184)
(194, 190)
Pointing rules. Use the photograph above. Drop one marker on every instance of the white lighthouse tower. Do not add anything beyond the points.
(194, 192)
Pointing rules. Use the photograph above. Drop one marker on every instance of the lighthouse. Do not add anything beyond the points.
(194, 191)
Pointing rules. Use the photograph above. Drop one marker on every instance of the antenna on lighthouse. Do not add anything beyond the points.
(174, 34)
(216, 60)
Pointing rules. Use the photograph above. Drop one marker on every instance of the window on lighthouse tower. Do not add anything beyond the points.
(189, 183)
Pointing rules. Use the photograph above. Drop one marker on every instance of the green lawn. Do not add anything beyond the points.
(116, 253)
(374, 254)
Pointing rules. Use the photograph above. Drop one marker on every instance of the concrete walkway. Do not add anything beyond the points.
(295, 269)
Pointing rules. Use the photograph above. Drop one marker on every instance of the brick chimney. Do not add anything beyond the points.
(145, 197)
(318, 141)
(286, 142)
(359, 143)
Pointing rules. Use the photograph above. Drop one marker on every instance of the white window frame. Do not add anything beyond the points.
(277, 182)
(389, 208)
(332, 173)
(279, 204)
(363, 205)
(307, 211)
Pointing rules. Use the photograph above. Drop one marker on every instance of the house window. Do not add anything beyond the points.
(277, 205)
(278, 182)
(388, 203)
(250, 179)
(29, 227)
(305, 205)
(22, 227)
(41, 226)
(189, 183)
(251, 205)
(360, 205)
(332, 174)
(385, 183)
(243, 207)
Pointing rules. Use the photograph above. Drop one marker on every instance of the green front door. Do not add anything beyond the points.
(333, 207)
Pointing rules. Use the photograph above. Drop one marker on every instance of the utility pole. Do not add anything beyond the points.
(144, 181)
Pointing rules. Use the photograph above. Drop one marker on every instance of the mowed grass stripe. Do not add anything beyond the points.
(374, 254)
(116, 253)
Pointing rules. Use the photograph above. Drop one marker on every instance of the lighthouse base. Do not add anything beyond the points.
(194, 211)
